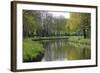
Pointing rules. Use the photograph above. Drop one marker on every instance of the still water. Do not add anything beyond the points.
(61, 49)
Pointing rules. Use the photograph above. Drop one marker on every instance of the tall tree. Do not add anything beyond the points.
(86, 24)
(31, 22)
(79, 23)
(73, 23)
(60, 23)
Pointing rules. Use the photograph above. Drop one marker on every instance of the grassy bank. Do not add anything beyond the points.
(78, 48)
(49, 38)
(32, 51)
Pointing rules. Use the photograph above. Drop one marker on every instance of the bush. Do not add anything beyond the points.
(32, 51)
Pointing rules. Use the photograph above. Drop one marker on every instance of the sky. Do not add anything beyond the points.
(57, 14)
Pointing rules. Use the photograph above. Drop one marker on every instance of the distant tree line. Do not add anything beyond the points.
(43, 23)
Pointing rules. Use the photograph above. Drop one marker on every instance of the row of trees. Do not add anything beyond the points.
(43, 23)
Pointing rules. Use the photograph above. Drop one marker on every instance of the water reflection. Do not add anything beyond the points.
(64, 50)
(54, 50)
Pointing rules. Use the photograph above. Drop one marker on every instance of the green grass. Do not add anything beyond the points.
(31, 49)
(49, 38)
(79, 39)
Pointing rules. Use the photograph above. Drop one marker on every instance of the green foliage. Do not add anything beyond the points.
(74, 22)
(42, 25)
(80, 23)
(86, 24)
(31, 22)
(31, 49)
(59, 24)
(79, 39)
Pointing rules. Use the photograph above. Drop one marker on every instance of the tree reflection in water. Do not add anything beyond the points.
(60, 50)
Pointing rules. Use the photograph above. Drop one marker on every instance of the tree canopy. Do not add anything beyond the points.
(43, 23)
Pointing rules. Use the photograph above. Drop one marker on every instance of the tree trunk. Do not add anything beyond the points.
(84, 33)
